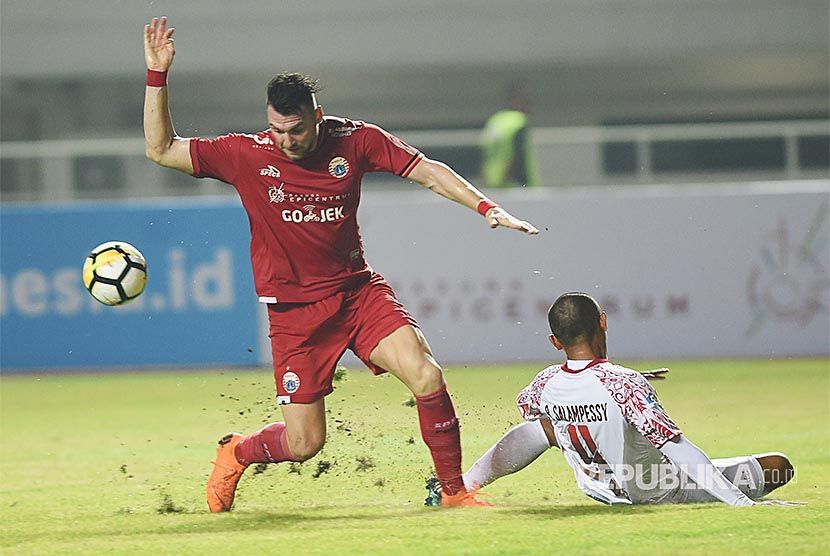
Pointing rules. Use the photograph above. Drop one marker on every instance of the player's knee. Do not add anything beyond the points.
(778, 470)
(306, 446)
(426, 378)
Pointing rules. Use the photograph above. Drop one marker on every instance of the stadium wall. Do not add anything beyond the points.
(739, 270)
(197, 308)
(700, 271)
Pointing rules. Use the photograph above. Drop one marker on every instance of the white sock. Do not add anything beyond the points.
(514, 451)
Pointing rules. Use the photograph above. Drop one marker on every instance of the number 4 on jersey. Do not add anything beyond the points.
(584, 444)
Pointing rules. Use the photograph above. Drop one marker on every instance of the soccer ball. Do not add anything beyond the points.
(115, 273)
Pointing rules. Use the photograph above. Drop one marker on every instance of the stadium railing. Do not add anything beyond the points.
(568, 156)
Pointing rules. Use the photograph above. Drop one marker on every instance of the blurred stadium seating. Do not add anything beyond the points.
(623, 92)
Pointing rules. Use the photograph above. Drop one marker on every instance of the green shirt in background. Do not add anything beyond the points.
(509, 160)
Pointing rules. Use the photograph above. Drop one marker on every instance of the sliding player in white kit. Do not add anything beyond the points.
(607, 420)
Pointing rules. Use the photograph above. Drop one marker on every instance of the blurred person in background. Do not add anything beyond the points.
(508, 157)
(299, 182)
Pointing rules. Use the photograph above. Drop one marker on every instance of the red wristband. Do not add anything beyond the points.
(156, 78)
(484, 205)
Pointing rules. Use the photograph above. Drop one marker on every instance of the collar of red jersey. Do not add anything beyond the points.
(580, 364)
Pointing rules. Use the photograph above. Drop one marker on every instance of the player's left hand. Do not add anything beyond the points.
(497, 216)
(159, 48)
(655, 374)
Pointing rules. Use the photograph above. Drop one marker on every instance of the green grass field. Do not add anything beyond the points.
(117, 463)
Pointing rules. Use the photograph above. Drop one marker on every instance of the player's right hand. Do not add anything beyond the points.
(497, 216)
(159, 49)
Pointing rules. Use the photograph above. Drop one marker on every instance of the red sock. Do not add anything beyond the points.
(441, 434)
(270, 445)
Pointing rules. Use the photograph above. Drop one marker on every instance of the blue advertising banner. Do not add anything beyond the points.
(199, 307)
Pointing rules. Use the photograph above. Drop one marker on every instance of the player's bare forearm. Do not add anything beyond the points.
(162, 145)
(158, 124)
(443, 180)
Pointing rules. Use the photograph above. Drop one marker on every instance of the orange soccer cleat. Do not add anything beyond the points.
(221, 487)
(464, 498)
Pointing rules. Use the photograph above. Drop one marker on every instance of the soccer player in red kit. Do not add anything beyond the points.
(299, 182)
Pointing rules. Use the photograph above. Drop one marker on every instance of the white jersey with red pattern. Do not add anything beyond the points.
(609, 425)
(305, 240)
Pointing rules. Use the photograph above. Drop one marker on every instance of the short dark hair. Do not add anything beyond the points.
(289, 92)
(574, 317)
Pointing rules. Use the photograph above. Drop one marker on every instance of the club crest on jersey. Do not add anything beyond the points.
(338, 167)
(290, 382)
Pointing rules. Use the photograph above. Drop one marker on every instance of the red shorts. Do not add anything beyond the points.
(308, 339)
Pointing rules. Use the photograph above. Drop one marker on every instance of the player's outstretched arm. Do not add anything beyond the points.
(699, 468)
(443, 180)
(163, 146)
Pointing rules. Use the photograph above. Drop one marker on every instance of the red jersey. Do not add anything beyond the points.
(305, 239)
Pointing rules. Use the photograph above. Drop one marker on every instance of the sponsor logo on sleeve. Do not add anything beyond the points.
(653, 403)
(263, 140)
(343, 131)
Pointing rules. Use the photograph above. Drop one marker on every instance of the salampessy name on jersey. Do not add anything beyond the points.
(584, 413)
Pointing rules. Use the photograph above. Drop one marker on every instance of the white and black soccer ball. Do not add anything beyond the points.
(115, 273)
